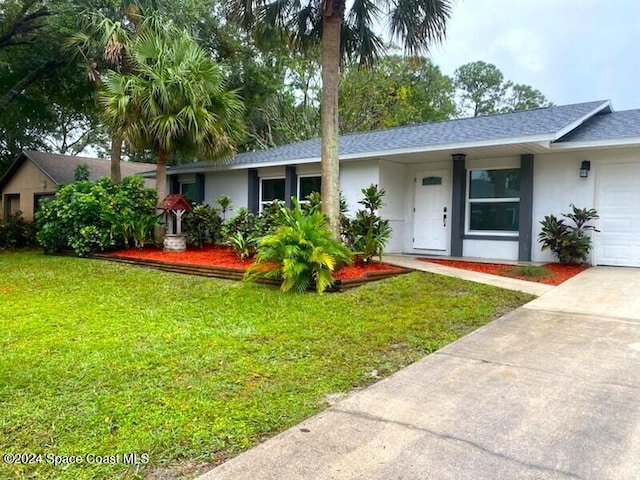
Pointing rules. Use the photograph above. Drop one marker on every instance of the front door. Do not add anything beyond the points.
(432, 216)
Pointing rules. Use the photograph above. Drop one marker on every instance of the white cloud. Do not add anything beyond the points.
(571, 50)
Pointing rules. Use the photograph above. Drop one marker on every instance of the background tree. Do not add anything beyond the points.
(524, 97)
(174, 101)
(482, 90)
(43, 103)
(415, 23)
(395, 91)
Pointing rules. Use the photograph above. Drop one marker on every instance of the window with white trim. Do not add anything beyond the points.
(493, 201)
(308, 184)
(271, 189)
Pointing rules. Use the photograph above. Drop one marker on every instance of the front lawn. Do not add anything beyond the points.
(106, 359)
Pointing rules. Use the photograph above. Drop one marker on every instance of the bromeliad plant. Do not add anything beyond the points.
(301, 252)
(570, 243)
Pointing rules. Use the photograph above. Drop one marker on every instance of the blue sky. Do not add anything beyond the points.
(570, 50)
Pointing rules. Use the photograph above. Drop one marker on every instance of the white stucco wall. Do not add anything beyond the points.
(233, 183)
(354, 176)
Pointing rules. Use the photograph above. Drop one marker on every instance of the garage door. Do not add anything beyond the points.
(618, 242)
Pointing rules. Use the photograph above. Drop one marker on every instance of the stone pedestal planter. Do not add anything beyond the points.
(175, 243)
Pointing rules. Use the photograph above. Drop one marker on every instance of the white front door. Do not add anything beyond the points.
(432, 211)
(618, 242)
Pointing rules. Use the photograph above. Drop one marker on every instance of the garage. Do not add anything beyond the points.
(618, 204)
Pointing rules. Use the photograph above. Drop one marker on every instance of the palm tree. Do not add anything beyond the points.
(417, 24)
(173, 101)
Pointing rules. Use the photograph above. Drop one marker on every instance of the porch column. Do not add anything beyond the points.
(525, 224)
(290, 185)
(253, 190)
(458, 203)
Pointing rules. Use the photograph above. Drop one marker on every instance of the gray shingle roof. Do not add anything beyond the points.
(545, 122)
(61, 168)
(616, 125)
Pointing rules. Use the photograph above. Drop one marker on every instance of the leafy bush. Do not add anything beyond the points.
(269, 219)
(570, 243)
(225, 204)
(16, 232)
(203, 225)
(367, 233)
(242, 222)
(92, 216)
(300, 252)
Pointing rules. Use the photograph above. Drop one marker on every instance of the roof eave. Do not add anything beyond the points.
(606, 143)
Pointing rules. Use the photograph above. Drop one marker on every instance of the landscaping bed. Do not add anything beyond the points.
(549, 274)
(222, 262)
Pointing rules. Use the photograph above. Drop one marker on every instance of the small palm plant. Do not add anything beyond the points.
(301, 252)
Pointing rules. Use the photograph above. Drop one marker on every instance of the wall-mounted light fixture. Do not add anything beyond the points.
(584, 168)
(44, 185)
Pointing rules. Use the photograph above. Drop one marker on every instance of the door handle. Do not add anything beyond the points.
(444, 220)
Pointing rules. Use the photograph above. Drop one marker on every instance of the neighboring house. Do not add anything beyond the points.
(34, 176)
(473, 187)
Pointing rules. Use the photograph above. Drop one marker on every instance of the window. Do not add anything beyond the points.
(494, 200)
(39, 197)
(11, 204)
(189, 191)
(308, 185)
(271, 189)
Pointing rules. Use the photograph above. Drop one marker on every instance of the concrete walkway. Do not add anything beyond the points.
(549, 391)
(533, 288)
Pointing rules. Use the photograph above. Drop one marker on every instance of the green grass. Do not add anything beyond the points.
(104, 358)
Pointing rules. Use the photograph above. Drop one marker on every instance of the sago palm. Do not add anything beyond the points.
(342, 32)
(174, 100)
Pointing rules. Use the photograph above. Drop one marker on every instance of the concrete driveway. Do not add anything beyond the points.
(549, 391)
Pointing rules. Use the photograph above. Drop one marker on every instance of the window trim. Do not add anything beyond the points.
(468, 233)
(261, 202)
(308, 175)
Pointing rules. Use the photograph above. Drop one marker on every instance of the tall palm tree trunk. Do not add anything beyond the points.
(329, 121)
(116, 156)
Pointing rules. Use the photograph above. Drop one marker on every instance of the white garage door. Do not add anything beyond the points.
(618, 242)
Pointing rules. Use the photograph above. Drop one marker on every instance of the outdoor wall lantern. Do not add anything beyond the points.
(584, 168)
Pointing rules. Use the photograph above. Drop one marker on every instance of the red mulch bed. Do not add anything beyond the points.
(558, 273)
(214, 256)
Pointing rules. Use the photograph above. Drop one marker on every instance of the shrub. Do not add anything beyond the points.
(16, 232)
(269, 219)
(92, 216)
(243, 222)
(243, 244)
(367, 233)
(203, 225)
(569, 243)
(300, 252)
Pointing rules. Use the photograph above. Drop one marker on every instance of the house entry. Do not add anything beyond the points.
(432, 217)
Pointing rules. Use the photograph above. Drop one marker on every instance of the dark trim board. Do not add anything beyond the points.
(458, 198)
